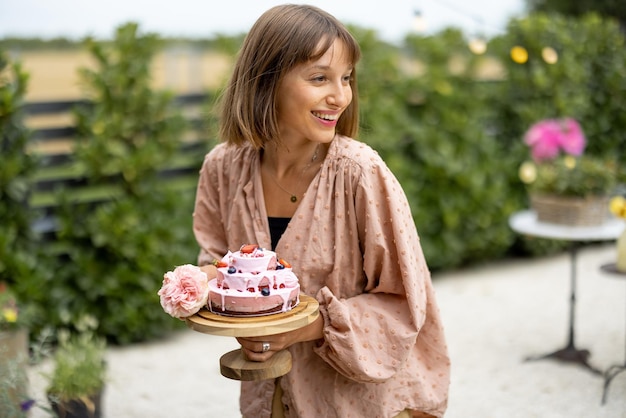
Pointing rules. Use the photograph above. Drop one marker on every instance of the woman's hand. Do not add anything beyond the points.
(210, 270)
(263, 348)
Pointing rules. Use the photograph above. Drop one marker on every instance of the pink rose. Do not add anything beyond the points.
(184, 291)
(544, 140)
(548, 138)
(572, 137)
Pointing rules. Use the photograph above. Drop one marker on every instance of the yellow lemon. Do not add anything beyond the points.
(519, 54)
(10, 315)
(617, 206)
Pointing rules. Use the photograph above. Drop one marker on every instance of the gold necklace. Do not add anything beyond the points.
(294, 197)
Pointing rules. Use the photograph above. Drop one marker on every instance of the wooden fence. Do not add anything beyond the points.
(53, 141)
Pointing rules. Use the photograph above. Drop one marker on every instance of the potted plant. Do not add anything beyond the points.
(14, 399)
(78, 378)
(565, 186)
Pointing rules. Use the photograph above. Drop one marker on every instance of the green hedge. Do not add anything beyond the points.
(430, 125)
(20, 257)
(586, 83)
(455, 140)
(114, 255)
(107, 258)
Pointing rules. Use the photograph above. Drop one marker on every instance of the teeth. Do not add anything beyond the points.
(325, 116)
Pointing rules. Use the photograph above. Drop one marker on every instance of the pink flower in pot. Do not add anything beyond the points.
(549, 137)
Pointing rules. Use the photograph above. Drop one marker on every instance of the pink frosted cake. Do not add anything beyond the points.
(253, 282)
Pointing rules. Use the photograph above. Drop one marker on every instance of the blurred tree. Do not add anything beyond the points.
(20, 263)
(17, 166)
(116, 251)
(606, 8)
(424, 112)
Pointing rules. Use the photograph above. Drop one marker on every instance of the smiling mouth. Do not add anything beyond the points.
(326, 117)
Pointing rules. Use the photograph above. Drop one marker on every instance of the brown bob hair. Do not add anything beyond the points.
(283, 37)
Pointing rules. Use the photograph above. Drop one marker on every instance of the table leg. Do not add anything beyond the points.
(612, 371)
(609, 375)
(570, 353)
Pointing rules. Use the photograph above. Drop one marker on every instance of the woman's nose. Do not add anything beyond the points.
(340, 95)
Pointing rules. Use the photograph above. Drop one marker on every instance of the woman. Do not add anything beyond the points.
(289, 177)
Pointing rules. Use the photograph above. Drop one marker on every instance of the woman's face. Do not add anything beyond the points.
(313, 95)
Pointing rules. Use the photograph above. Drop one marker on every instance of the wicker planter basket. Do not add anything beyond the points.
(569, 210)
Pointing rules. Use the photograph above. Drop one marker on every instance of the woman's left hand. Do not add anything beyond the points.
(264, 347)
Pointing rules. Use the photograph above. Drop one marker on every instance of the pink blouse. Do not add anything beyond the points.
(353, 244)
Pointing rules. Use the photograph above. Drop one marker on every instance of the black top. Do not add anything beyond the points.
(277, 228)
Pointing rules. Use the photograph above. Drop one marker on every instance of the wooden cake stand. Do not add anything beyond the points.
(234, 365)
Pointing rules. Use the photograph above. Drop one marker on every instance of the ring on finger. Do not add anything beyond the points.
(265, 347)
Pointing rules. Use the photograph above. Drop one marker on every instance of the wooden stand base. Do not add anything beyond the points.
(234, 365)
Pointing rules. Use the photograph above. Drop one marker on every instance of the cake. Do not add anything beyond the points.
(252, 282)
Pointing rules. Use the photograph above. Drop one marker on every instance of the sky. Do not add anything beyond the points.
(392, 19)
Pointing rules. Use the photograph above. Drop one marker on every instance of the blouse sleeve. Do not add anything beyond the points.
(368, 337)
(207, 218)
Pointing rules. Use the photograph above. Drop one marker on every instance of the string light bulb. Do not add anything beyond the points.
(419, 23)
(477, 45)
(549, 55)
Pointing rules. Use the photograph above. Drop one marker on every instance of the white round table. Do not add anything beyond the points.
(526, 222)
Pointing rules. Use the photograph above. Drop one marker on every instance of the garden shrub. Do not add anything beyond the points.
(116, 252)
(21, 264)
(586, 82)
(430, 127)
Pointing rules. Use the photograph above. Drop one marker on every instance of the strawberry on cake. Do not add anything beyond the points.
(252, 282)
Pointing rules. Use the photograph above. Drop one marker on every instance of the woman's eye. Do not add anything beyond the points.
(322, 78)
